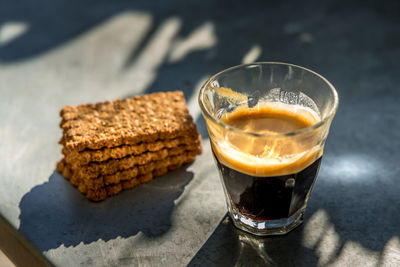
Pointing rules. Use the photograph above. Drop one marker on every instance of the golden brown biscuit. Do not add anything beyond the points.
(171, 162)
(88, 155)
(110, 166)
(97, 189)
(112, 146)
(144, 118)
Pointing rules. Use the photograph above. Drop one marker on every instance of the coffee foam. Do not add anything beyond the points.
(273, 155)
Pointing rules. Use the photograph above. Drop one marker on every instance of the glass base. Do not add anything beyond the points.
(268, 227)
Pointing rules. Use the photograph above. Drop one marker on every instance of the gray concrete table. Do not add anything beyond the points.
(54, 53)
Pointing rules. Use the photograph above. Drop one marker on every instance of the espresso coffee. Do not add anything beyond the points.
(268, 177)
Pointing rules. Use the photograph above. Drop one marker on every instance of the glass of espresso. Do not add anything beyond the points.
(267, 123)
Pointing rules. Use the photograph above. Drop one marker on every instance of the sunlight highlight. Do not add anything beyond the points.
(201, 38)
(316, 225)
(391, 252)
(9, 31)
(355, 254)
(321, 236)
(253, 54)
(352, 167)
(154, 53)
(144, 68)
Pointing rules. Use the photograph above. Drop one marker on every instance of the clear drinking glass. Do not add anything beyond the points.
(267, 176)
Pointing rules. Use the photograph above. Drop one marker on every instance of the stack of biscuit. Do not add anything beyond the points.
(112, 146)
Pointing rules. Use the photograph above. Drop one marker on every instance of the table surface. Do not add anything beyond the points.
(55, 53)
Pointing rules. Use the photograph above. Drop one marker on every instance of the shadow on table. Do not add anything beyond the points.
(229, 246)
(348, 214)
(55, 213)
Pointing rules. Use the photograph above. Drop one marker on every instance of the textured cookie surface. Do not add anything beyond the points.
(143, 118)
(99, 188)
(112, 146)
(126, 174)
(110, 166)
(86, 156)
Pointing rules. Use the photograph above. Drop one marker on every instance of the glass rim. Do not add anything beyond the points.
(291, 133)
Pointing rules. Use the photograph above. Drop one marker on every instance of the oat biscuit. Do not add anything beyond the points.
(88, 155)
(113, 146)
(113, 189)
(97, 190)
(144, 118)
(94, 169)
(171, 162)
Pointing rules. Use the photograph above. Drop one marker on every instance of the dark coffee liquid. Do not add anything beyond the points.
(268, 198)
(268, 178)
